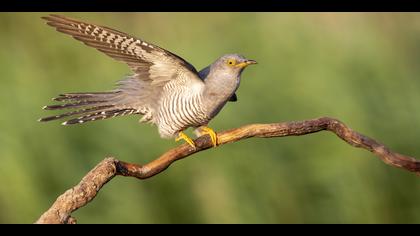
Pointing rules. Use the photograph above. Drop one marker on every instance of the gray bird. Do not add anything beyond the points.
(165, 89)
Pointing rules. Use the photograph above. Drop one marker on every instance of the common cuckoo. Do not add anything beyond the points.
(164, 89)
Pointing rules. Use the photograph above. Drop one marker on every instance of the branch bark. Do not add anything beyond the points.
(89, 186)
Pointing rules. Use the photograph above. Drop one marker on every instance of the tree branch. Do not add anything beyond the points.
(90, 185)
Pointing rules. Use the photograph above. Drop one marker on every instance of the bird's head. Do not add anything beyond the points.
(233, 64)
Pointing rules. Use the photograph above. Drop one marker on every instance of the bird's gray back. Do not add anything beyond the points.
(204, 72)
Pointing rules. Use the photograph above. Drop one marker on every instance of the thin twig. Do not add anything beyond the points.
(89, 186)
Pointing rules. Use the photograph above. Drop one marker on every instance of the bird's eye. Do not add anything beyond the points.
(231, 62)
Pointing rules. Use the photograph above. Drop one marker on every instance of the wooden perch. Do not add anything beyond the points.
(89, 186)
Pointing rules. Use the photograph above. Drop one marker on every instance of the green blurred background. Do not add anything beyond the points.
(363, 69)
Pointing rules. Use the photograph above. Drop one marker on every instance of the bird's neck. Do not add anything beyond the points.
(217, 92)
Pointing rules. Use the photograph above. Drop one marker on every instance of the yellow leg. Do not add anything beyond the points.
(187, 139)
(211, 133)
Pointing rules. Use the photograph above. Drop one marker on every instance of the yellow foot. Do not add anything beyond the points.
(211, 133)
(187, 139)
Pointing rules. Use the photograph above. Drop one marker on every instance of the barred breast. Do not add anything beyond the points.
(180, 107)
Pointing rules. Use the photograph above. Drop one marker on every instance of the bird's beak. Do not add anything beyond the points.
(246, 63)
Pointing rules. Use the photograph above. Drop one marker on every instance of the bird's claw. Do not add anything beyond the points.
(211, 133)
(182, 136)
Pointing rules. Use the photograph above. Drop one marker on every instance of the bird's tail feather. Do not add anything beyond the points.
(100, 115)
(91, 96)
(91, 107)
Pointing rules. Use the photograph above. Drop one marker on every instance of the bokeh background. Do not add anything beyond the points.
(361, 68)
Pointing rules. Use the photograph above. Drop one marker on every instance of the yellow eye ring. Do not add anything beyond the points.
(231, 62)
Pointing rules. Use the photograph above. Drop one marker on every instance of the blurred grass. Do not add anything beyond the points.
(361, 68)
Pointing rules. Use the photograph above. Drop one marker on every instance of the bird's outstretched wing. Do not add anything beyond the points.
(142, 57)
(153, 68)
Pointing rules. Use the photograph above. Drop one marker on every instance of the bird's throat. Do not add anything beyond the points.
(217, 93)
